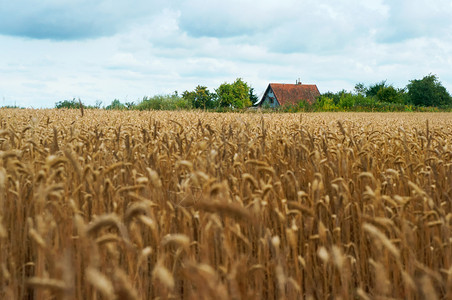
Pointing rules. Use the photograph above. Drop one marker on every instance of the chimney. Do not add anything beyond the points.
(298, 81)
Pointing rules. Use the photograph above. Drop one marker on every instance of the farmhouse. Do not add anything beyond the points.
(280, 94)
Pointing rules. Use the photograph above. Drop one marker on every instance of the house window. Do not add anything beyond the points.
(271, 100)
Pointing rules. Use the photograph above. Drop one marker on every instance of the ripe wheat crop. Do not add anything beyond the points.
(194, 205)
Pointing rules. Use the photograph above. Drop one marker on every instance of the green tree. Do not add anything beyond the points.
(225, 95)
(116, 104)
(428, 91)
(236, 95)
(253, 96)
(389, 94)
(130, 105)
(98, 104)
(201, 97)
(68, 104)
(382, 92)
(360, 88)
(372, 90)
(336, 97)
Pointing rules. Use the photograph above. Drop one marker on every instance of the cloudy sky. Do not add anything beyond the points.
(51, 50)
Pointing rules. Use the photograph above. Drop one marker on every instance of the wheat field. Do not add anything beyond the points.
(197, 205)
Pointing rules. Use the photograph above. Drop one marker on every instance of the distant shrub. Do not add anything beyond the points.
(75, 104)
(347, 101)
(325, 103)
(163, 102)
(68, 104)
(116, 105)
(304, 106)
(12, 106)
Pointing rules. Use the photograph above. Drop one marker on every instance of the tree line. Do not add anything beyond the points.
(236, 95)
(427, 93)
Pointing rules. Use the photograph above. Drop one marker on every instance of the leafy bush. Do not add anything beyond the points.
(12, 106)
(201, 97)
(326, 104)
(347, 101)
(116, 105)
(75, 104)
(68, 104)
(305, 106)
(390, 95)
(373, 89)
(163, 102)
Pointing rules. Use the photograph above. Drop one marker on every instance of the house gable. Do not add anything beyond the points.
(269, 98)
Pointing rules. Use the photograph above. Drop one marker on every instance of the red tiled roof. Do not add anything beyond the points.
(294, 93)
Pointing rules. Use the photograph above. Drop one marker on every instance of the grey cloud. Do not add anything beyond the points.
(66, 20)
(285, 26)
(225, 19)
(415, 19)
(315, 26)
